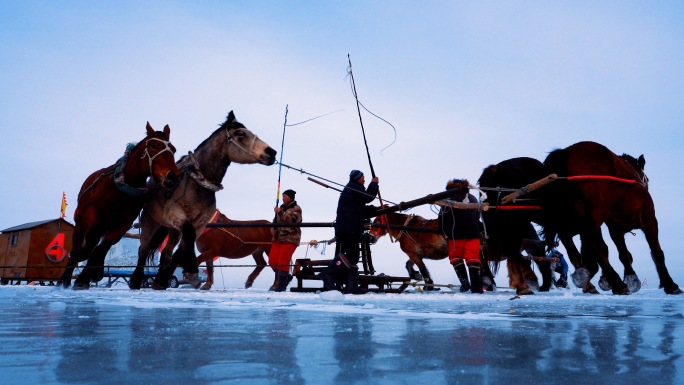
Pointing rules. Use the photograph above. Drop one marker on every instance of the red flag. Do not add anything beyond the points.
(64, 205)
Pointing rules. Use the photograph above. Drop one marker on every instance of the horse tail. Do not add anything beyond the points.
(156, 241)
(494, 267)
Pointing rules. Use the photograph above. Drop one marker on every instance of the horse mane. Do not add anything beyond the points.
(225, 125)
(488, 175)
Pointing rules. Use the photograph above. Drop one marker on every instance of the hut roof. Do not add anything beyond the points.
(31, 225)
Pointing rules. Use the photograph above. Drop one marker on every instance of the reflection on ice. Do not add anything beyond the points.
(251, 336)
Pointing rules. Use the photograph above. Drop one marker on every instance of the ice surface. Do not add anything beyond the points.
(117, 336)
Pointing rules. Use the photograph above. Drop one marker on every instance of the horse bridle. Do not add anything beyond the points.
(249, 151)
(146, 153)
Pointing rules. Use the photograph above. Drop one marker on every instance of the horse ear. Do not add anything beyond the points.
(231, 118)
(150, 131)
(642, 161)
(167, 130)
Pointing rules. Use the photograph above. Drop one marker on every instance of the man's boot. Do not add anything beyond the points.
(328, 278)
(352, 286)
(475, 269)
(284, 279)
(462, 275)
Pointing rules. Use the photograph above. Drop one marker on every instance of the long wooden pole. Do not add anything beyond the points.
(358, 108)
(280, 163)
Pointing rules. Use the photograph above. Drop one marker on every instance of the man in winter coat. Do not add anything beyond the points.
(462, 231)
(285, 239)
(352, 214)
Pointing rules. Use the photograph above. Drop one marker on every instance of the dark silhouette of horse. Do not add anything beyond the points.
(184, 212)
(509, 228)
(110, 200)
(233, 243)
(419, 245)
(596, 186)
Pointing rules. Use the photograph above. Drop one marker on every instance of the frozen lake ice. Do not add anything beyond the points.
(115, 336)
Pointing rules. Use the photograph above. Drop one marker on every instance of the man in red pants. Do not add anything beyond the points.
(462, 231)
(285, 239)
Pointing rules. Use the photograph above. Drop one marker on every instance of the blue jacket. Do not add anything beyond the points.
(352, 211)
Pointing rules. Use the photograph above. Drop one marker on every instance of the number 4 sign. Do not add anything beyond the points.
(55, 251)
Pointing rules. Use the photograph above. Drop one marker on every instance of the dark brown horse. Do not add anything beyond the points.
(233, 243)
(419, 245)
(184, 212)
(596, 186)
(110, 200)
(509, 229)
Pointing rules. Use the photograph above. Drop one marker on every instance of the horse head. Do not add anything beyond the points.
(378, 230)
(160, 155)
(244, 146)
(638, 166)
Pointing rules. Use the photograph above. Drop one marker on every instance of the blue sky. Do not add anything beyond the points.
(466, 84)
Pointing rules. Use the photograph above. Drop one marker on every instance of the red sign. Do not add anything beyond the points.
(55, 251)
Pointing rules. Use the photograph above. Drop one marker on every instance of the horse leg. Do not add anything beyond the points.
(83, 241)
(186, 257)
(487, 276)
(650, 228)
(581, 275)
(547, 275)
(597, 248)
(418, 262)
(630, 277)
(260, 265)
(151, 237)
(412, 273)
(94, 269)
(210, 273)
(515, 277)
(166, 261)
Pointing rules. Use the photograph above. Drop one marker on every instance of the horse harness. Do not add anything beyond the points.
(116, 170)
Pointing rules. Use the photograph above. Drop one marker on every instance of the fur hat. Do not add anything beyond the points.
(290, 193)
(458, 183)
(355, 175)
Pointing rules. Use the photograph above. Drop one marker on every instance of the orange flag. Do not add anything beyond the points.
(64, 205)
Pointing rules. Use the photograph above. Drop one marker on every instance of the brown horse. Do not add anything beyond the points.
(418, 245)
(596, 186)
(110, 200)
(184, 212)
(233, 243)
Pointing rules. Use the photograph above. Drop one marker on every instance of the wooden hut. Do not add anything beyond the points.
(36, 251)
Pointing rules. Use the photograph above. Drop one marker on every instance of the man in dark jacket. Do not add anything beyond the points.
(352, 214)
(462, 231)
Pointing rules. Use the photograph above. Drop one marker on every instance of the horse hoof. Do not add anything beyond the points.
(527, 291)
(193, 279)
(534, 285)
(623, 291)
(632, 282)
(205, 287)
(156, 286)
(545, 288)
(603, 283)
(673, 290)
(580, 277)
(248, 285)
(81, 286)
(589, 288)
